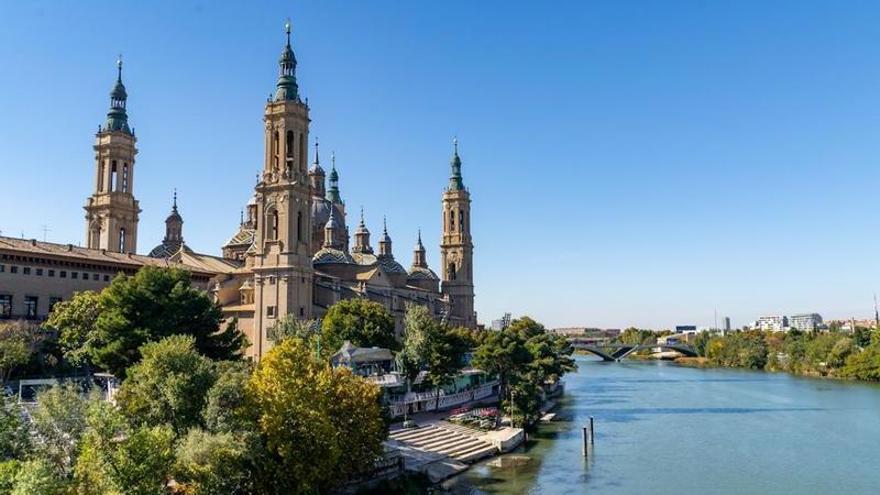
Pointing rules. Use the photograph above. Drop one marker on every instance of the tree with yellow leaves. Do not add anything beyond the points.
(321, 426)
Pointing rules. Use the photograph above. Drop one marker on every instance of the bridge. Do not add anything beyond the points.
(616, 352)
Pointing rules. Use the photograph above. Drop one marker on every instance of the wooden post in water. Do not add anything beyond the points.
(591, 430)
(585, 441)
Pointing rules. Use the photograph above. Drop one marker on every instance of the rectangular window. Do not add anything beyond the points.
(13, 269)
(39, 272)
(270, 311)
(302, 311)
(53, 301)
(95, 276)
(30, 307)
(62, 274)
(5, 306)
(26, 270)
(51, 273)
(106, 278)
(2, 268)
(74, 275)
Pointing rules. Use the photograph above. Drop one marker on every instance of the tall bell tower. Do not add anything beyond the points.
(111, 211)
(456, 247)
(282, 262)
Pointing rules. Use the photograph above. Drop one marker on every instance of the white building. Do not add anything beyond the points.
(806, 322)
(776, 323)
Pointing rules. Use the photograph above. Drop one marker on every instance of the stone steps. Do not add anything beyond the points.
(454, 441)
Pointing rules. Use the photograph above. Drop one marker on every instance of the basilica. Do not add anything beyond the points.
(291, 254)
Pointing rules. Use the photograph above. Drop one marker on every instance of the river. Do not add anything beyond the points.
(663, 428)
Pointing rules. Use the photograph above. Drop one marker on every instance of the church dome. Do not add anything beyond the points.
(390, 265)
(422, 273)
(365, 258)
(328, 256)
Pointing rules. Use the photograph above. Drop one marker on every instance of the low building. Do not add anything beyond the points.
(364, 361)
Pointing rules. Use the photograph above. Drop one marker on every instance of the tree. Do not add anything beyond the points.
(225, 410)
(445, 357)
(37, 477)
(75, 321)
(212, 463)
(152, 304)
(362, 322)
(58, 422)
(321, 426)
(504, 354)
(169, 385)
(15, 441)
(701, 342)
(118, 459)
(864, 365)
(18, 342)
(291, 326)
(419, 330)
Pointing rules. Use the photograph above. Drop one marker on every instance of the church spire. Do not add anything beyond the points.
(117, 118)
(455, 181)
(385, 240)
(316, 175)
(287, 89)
(419, 258)
(362, 237)
(330, 231)
(333, 193)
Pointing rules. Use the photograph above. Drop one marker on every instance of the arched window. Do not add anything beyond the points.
(103, 171)
(124, 177)
(452, 220)
(299, 230)
(451, 270)
(113, 179)
(96, 236)
(273, 225)
(122, 240)
(275, 148)
(302, 152)
(288, 144)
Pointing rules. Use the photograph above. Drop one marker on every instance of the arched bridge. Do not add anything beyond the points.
(616, 352)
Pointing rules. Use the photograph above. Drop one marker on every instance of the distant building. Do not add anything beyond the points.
(685, 329)
(570, 331)
(776, 323)
(806, 322)
(726, 324)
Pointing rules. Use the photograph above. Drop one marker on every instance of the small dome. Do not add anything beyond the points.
(390, 265)
(316, 169)
(422, 273)
(328, 256)
(365, 258)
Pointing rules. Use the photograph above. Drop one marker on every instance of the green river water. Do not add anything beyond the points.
(663, 428)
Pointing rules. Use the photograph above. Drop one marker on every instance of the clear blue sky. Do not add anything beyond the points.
(631, 163)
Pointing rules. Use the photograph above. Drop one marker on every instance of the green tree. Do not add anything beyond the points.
(152, 304)
(118, 459)
(502, 353)
(701, 342)
(213, 463)
(75, 321)
(864, 365)
(37, 477)
(18, 342)
(362, 322)
(321, 426)
(58, 423)
(225, 410)
(169, 385)
(15, 441)
(420, 329)
(445, 357)
(8, 470)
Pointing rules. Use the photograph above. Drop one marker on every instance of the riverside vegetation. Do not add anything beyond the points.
(832, 353)
(193, 417)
